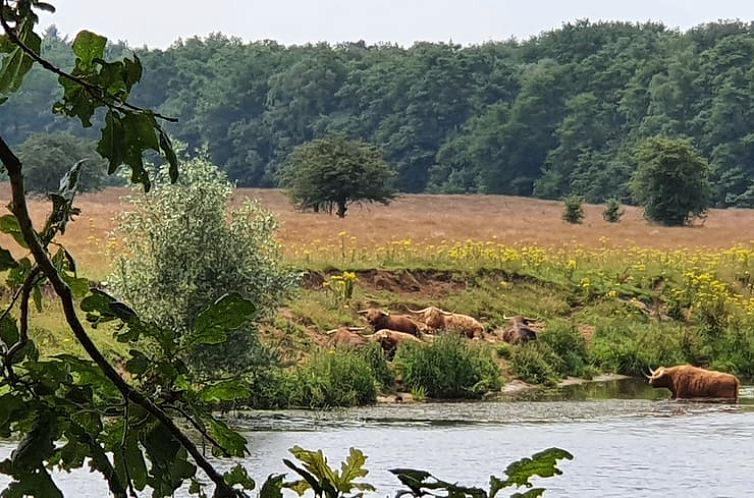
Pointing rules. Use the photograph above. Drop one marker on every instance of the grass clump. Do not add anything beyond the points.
(327, 379)
(534, 363)
(570, 356)
(448, 368)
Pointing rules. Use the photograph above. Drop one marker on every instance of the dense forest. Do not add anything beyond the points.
(557, 114)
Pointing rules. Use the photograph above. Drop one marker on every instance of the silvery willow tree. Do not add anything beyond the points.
(67, 411)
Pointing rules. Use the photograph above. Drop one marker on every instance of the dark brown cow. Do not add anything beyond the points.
(686, 381)
(380, 320)
(519, 331)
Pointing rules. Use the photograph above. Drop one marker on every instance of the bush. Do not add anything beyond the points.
(569, 349)
(374, 355)
(183, 250)
(334, 378)
(48, 157)
(574, 212)
(613, 211)
(534, 363)
(449, 368)
(633, 350)
(327, 379)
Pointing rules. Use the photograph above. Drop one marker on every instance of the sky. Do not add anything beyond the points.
(158, 23)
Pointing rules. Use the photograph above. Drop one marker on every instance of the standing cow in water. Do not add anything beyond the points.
(686, 381)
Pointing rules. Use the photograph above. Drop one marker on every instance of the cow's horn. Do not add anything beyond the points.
(417, 311)
(356, 329)
(362, 312)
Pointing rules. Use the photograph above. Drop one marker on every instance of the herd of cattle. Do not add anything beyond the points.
(391, 331)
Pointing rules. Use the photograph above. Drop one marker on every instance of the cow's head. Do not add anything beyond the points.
(659, 378)
(372, 315)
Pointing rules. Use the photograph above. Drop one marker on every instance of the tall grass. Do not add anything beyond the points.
(448, 368)
(327, 379)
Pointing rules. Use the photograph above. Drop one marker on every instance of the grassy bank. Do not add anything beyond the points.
(680, 295)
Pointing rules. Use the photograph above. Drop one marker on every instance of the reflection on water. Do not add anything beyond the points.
(628, 440)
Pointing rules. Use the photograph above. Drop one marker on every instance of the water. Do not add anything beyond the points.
(628, 441)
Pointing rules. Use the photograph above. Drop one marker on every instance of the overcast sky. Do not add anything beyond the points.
(157, 23)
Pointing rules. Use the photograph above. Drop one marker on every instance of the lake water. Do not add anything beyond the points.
(627, 440)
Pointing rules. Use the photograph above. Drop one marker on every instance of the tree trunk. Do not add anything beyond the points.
(341, 209)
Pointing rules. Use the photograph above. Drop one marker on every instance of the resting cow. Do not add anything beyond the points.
(686, 381)
(519, 331)
(346, 337)
(391, 339)
(380, 320)
(438, 319)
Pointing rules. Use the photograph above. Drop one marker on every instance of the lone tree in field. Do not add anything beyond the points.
(47, 157)
(671, 181)
(332, 173)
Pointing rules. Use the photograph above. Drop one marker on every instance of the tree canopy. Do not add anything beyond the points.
(332, 173)
(671, 181)
(554, 115)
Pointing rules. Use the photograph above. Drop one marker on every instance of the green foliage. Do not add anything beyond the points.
(519, 474)
(671, 181)
(573, 212)
(332, 173)
(613, 211)
(535, 362)
(47, 157)
(325, 481)
(375, 357)
(632, 349)
(512, 117)
(235, 252)
(448, 368)
(334, 378)
(569, 347)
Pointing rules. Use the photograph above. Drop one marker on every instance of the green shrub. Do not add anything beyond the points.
(449, 368)
(183, 250)
(334, 378)
(734, 351)
(535, 363)
(47, 157)
(613, 211)
(632, 350)
(374, 355)
(573, 212)
(569, 347)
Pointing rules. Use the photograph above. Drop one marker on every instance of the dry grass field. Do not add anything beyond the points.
(428, 219)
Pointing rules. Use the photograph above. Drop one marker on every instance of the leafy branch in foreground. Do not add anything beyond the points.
(325, 482)
(86, 404)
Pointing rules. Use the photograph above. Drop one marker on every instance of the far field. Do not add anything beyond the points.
(427, 220)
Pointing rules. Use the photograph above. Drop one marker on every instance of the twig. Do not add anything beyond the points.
(20, 209)
(24, 329)
(123, 444)
(199, 428)
(93, 90)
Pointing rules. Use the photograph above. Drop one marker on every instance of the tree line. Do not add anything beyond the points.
(555, 115)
